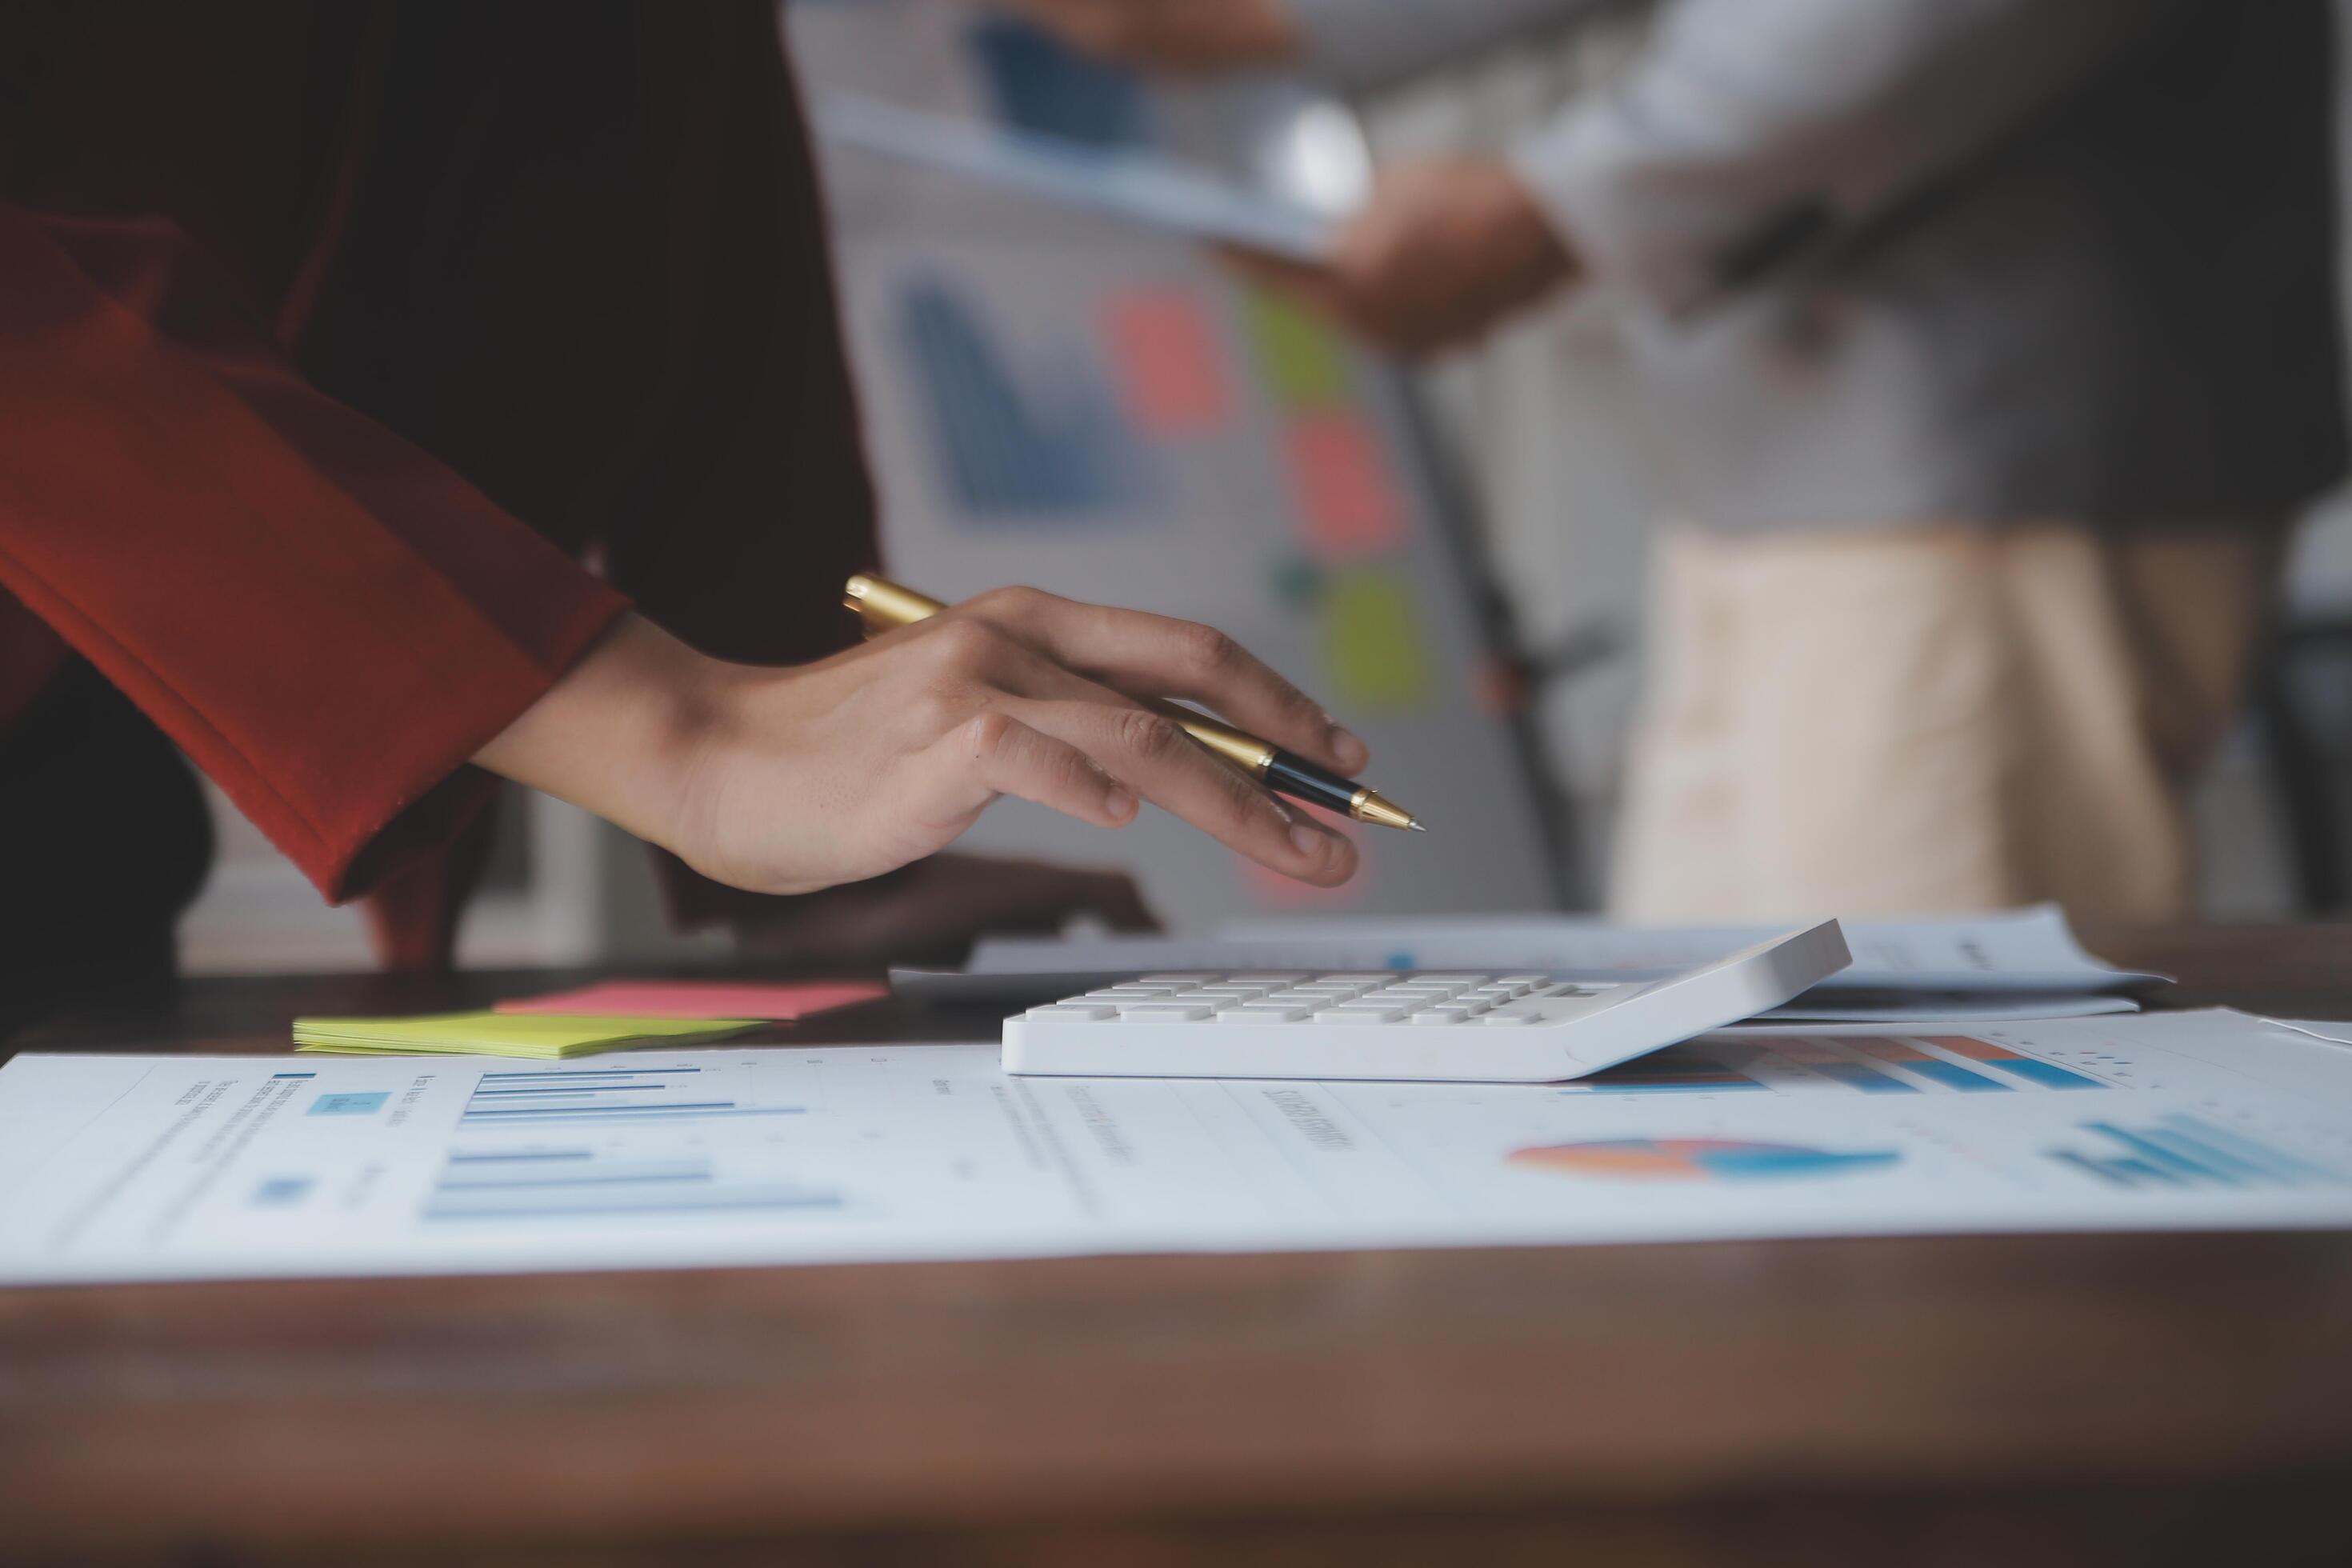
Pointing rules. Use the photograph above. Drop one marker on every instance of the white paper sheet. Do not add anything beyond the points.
(2025, 950)
(1143, 187)
(172, 1167)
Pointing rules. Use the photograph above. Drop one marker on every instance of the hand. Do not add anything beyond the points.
(932, 911)
(1441, 254)
(785, 781)
(1179, 35)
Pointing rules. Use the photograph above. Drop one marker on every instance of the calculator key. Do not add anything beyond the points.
(1163, 1013)
(1353, 979)
(1523, 980)
(1442, 1015)
(1359, 1015)
(1449, 979)
(1070, 1012)
(1193, 979)
(1264, 1015)
(1502, 1015)
(1291, 979)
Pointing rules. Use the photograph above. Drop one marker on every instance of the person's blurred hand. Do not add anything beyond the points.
(786, 780)
(1441, 254)
(1180, 35)
(933, 910)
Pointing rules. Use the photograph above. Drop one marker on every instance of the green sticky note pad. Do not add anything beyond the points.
(541, 1035)
(1303, 362)
(1376, 651)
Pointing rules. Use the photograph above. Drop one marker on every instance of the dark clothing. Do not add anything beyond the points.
(334, 339)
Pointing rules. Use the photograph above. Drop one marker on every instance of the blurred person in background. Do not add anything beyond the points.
(395, 397)
(1988, 346)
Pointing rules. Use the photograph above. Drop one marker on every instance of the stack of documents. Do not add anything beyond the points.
(537, 1036)
(2013, 967)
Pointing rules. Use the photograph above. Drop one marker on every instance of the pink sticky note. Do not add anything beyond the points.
(699, 999)
(1346, 495)
(1172, 367)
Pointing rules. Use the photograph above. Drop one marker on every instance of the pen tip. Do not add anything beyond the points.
(1416, 828)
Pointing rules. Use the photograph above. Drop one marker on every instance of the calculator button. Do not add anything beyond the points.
(1449, 979)
(1442, 1015)
(1501, 1016)
(1268, 979)
(1070, 1012)
(1263, 1014)
(1353, 979)
(1359, 1015)
(1193, 979)
(1523, 980)
(1163, 1013)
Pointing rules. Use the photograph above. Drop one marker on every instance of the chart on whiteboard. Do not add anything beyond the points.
(125, 1168)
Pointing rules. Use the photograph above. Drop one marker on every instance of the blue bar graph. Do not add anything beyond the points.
(536, 1183)
(2184, 1151)
(1058, 452)
(1870, 1080)
(620, 1096)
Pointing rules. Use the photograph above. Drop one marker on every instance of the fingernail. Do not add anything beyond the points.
(1352, 752)
(1309, 840)
(1119, 803)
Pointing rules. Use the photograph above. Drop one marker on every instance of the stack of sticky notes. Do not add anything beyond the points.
(702, 998)
(609, 1016)
(540, 1037)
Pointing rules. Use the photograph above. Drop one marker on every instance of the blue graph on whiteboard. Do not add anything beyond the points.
(1056, 450)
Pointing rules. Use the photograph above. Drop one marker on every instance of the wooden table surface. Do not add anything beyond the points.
(2025, 1400)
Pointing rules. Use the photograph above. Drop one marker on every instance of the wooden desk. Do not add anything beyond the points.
(2015, 1401)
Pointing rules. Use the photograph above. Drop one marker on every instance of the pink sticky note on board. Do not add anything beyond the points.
(699, 999)
(1344, 489)
(1171, 365)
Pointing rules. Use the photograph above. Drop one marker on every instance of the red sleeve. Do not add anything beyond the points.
(325, 618)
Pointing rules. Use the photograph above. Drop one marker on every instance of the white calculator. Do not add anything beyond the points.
(1458, 1028)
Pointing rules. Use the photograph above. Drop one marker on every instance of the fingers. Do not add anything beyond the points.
(1136, 651)
(1158, 762)
(996, 754)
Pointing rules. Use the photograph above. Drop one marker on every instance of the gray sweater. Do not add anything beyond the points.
(1966, 260)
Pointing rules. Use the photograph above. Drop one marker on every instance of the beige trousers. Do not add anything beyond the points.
(1932, 720)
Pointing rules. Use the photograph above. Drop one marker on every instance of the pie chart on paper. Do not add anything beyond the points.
(1696, 1160)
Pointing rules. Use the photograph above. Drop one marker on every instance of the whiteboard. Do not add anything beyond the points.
(1059, 398)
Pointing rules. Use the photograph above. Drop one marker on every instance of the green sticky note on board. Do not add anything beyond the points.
(1375, 649)
(544, 1037)
(1301, 359)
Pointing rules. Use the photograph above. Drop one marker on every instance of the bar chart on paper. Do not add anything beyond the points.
(1851, 1064)
(2188, 1151)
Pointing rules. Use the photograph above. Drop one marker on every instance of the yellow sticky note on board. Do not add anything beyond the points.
(543, 1036)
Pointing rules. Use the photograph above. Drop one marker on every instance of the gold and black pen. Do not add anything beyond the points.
(884, 605)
